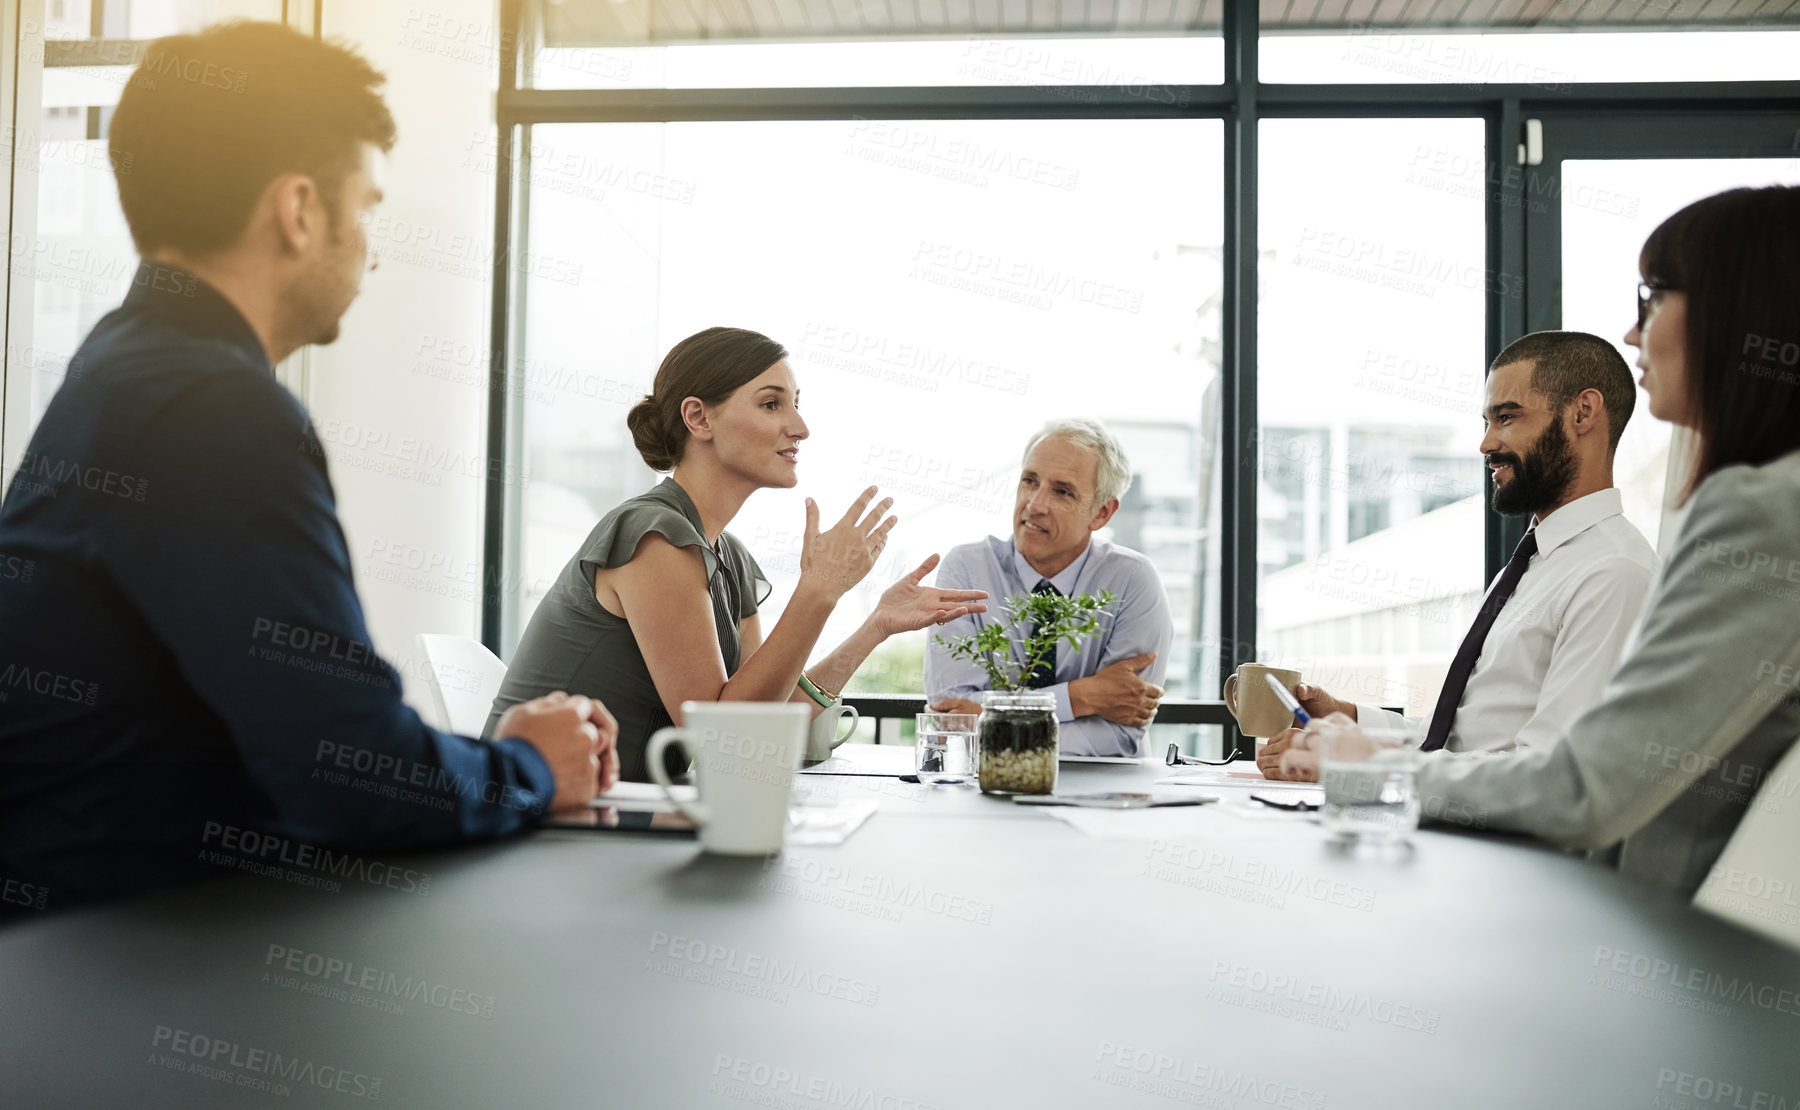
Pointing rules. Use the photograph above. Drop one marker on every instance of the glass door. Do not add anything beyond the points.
(1604, 184)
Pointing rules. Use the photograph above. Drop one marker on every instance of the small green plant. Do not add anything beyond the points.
(1053, 619)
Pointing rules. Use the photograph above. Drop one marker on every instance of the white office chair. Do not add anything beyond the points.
(1756, 883)
(461, 677)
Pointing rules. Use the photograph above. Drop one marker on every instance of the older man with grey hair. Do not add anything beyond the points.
(1073, 475)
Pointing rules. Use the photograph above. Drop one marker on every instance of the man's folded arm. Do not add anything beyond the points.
(236, 559)
(1141, 623)
(1103, 736)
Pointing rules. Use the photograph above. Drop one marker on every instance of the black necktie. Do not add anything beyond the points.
(1450, 698)
(1044, 674)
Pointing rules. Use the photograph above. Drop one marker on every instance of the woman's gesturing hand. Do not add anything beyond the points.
(907, 605)
(834, 561)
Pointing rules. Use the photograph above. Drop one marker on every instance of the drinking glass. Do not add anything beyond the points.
(945, 748)
(1368, 776)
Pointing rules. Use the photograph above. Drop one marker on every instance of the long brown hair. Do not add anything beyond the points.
(1736, 257)
(710, 365)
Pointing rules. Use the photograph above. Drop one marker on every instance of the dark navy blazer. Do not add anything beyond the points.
(186, 681)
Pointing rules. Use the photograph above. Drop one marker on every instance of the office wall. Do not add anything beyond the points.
(399, 399)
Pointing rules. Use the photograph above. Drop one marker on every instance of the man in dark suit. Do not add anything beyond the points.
(186, 680)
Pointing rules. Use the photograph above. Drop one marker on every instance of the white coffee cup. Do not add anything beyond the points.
(745, 755)
(823, 737)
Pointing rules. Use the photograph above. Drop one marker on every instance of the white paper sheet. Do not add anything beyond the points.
(889, 760)
(814, 817)
(826, 825)
(1126, 760)
(642, 797)
(1246, 785)
(1224, 821)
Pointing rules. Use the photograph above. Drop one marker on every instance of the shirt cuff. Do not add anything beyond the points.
(535, 772)
(1064, 713)
(1096, 736)
(1376, 717)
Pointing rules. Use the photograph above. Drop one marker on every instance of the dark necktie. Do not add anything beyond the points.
(1450, 698)
(1044, 674)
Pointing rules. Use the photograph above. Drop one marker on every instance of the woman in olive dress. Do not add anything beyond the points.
(659, 606)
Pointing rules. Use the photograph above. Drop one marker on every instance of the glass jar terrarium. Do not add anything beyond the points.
(1018, 742)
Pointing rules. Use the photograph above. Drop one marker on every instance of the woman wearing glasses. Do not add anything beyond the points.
(660, 604)
(1705, 705)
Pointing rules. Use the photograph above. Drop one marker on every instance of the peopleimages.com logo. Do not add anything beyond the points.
(233, 1062)
(372, 987)
(251, 850)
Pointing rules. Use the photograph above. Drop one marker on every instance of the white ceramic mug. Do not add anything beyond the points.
(745, 755)
(823, 737)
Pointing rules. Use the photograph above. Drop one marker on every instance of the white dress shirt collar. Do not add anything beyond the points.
(1064, 580)
(1577, 517)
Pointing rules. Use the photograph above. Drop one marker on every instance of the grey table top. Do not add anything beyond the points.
(957, 951)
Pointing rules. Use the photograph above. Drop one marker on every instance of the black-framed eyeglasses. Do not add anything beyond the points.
(1647, 294)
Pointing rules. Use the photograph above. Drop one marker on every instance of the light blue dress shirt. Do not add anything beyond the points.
(1138, 622)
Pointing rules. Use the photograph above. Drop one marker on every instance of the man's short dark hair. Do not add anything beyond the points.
(208, 120)
(1565, 363)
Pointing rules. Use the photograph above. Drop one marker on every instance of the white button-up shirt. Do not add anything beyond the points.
(1559, 637)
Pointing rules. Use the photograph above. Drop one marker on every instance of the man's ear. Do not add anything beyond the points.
(1103, 514)
(1587, 413)
(693, 414)
(297, 210)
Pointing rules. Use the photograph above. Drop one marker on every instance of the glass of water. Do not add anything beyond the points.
(1368, 774)
(944, 748)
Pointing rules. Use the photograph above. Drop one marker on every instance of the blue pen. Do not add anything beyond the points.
(1287, 699)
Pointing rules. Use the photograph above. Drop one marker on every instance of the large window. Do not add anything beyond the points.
(1374, 289)
(944, 288)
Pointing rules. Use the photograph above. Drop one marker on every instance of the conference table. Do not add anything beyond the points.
(957, 950)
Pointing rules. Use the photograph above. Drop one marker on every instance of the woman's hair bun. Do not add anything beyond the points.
(650, 433)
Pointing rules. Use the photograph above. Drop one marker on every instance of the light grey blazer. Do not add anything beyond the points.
(1697, 715)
